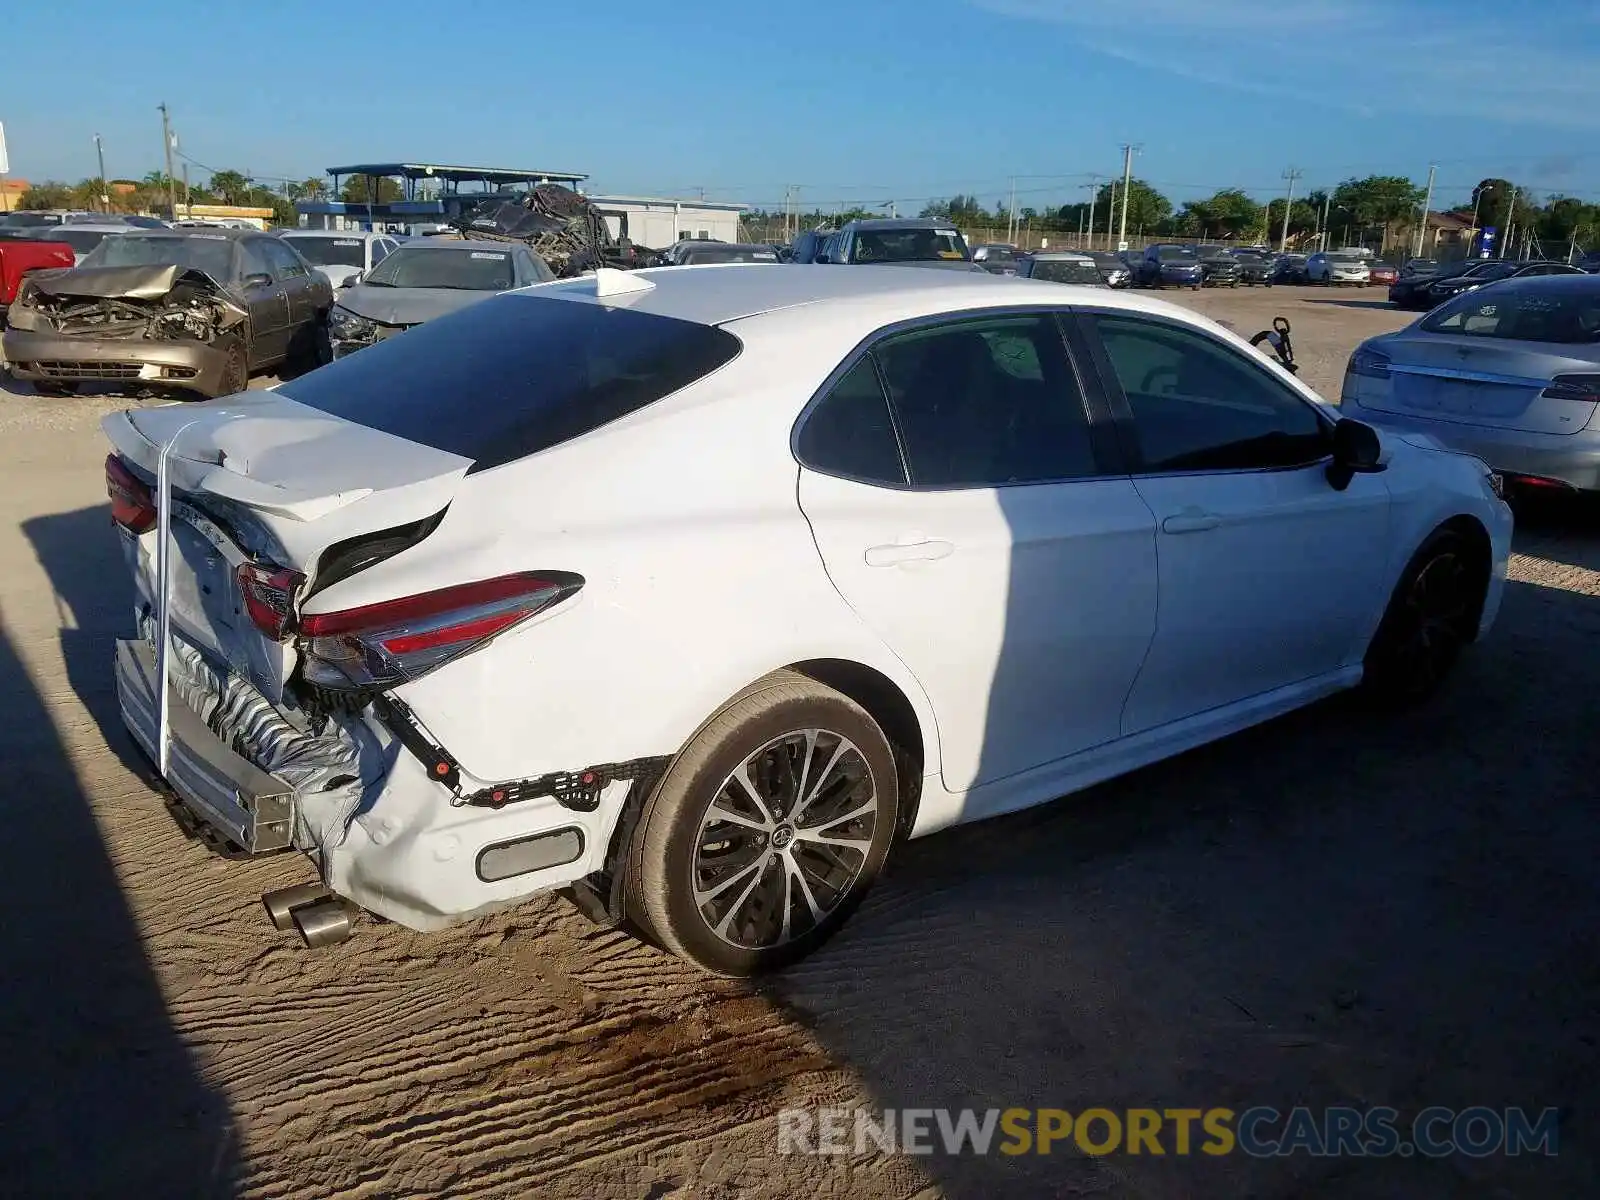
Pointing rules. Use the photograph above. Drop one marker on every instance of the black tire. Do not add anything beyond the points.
(672, 856)
(53, 388)
(312, 347)
(235, 369)
(1431, 617)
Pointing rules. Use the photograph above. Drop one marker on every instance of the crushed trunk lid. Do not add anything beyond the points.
(310, 478)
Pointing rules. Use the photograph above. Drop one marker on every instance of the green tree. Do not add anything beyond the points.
(1380, 200)
(1567, 219)
(1147, 207)
(316, 189)
(231, 186)
(356, 191)
(52, 193)
(1492, 200)
(1302, 219)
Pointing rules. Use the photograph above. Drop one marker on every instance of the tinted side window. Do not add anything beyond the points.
(286, 263)
(380, 251)
(1200, 405)
(254, 260)
(850, 432)
(988, 402)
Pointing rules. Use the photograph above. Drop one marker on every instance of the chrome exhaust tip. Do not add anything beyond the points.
(325, 923)
(280, 905)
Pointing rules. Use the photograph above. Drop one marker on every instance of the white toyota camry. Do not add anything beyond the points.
(693, 591)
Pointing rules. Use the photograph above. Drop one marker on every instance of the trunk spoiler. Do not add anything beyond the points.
(213, 475)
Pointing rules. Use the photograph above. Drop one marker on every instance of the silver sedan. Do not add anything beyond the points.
(1509, 372)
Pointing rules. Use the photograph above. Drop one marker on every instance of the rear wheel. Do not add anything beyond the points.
(1430, 618)
(766, 831)
(312, 346)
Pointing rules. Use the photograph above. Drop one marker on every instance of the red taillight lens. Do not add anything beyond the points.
(1582, 388)
(132, 506)
(269, 594)
(392, 642)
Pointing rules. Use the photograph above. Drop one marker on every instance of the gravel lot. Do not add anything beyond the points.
(1333, 909)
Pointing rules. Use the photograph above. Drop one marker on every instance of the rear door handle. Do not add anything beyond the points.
(904, 552)
(1191, 520)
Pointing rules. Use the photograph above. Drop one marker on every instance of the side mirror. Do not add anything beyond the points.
(352, 280)
(257, 280)
(1356, 450)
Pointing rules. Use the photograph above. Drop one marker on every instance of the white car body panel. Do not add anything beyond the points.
(336, 275)
(1265, 580)
(1051, 589)
(711, 558)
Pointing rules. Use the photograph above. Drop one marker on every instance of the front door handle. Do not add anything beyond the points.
(904, 552)
(1191, 520)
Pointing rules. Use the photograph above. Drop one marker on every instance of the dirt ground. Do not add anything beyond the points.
(1333, 909)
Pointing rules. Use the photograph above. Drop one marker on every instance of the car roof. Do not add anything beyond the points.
(715, 294)
(443, 243)
(92, 227)
(1059, 255)
(332, 233)
(195, 231)
(875, 223)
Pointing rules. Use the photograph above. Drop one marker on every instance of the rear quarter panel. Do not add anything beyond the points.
(701, 577)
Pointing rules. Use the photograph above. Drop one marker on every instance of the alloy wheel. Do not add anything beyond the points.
(784, 839)
(1433, 619)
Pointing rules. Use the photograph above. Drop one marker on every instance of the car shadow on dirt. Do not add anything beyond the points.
(80, 552)
(1383, 304)
(1335, 908)
(98, 1094)
(1559, 528)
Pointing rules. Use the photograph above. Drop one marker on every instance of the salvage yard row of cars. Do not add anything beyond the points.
(459, 645)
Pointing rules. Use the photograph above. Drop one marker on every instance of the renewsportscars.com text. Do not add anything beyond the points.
(1260, 1132)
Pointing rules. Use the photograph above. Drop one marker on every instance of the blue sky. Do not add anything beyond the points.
(859, 101)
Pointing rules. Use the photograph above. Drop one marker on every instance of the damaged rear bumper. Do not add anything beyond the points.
(391, 841)
(252, 808)
(53, 357)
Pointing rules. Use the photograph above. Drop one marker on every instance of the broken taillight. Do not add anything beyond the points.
(395, 641)
(132, 505)
(269, 594)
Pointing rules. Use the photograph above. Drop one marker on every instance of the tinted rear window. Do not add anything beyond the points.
(1524, 312)
(515, 375)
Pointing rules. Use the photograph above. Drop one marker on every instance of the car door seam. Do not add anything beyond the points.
(932, 762)
(1155, 624)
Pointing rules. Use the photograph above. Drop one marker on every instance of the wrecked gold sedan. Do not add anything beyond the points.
(194, 311)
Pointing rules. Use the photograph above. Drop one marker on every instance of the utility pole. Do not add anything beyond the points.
(1327, 199)
(1427, 203)
(1094, 194)
(1477, 200)
(1093, 197)
(1111, 208)
(1292, 174)
(186, 206)
(1127, 181)
(100, 153)
(1511, 208)
(166, 142)
(1011, 220)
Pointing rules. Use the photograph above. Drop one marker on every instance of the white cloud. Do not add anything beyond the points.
(1358, 55)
